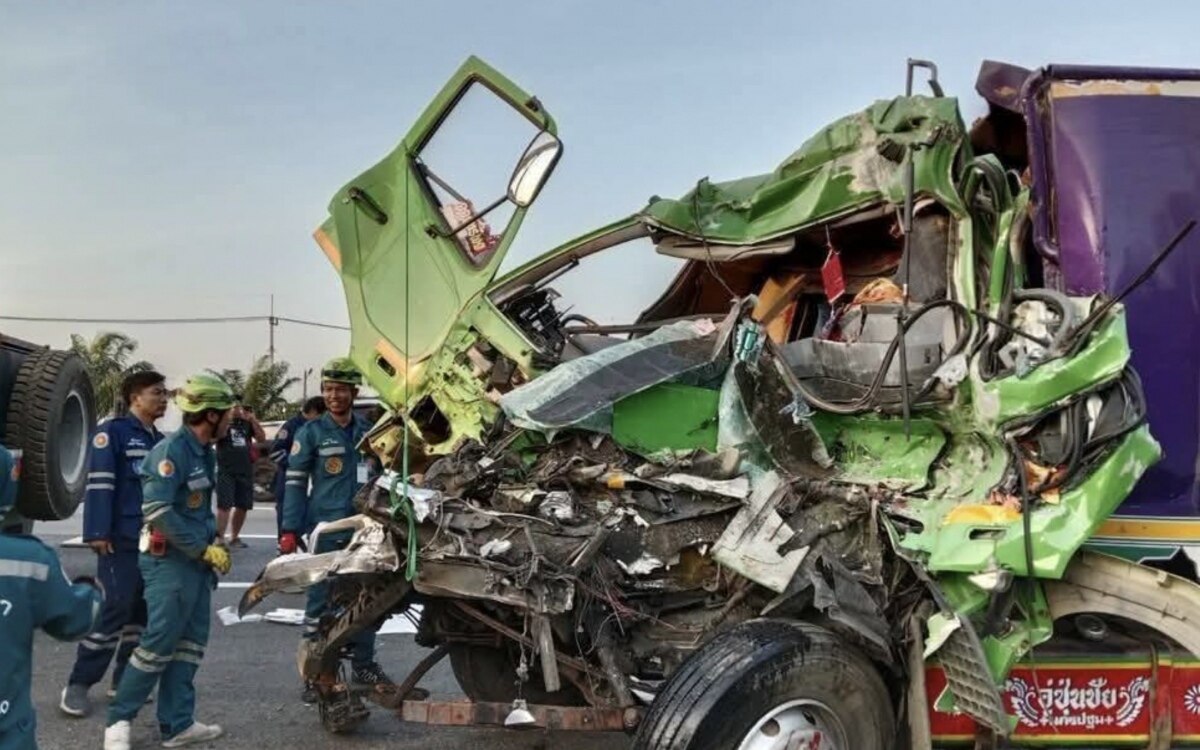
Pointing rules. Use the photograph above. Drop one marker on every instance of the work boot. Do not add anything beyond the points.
(309, 695)
(196, 733)
(371, 674)
(116, 737)
(74, 701)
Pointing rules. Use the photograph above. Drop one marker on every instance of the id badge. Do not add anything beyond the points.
(362, 472)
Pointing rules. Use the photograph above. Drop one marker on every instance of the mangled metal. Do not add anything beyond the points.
(859, 403)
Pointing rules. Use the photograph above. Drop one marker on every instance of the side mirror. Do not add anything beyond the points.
(534, 168)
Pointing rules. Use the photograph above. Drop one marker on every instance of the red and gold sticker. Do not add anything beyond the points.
(15, 474)
(333, 465)
(101, 440)
(296, 448)
(166, 468)
(195, 500)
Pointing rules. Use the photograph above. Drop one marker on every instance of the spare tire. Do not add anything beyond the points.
(51, 415)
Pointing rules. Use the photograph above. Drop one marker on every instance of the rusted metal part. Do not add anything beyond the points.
(409, 684)
(495, 624)
(562, 718)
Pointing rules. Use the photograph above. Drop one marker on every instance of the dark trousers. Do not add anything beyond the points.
(121, 621)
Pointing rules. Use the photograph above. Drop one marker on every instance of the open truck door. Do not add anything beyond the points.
(419, 235)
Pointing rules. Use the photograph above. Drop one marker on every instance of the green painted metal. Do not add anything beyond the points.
(955, 539)
(1102, 360)
(870, 449)
(405, 284)
(851, 164)
(667, 417)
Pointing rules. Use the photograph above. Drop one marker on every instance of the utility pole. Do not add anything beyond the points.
(307, 372)
(272, 321)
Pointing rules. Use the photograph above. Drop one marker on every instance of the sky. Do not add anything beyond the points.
(172, 159)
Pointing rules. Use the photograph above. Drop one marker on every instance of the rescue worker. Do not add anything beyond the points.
(282, 446)
(34, 593)
(324, 452)
(179, 563)
(112, 519)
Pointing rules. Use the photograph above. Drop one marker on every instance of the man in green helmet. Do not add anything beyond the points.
(324, 452)
(179, 563)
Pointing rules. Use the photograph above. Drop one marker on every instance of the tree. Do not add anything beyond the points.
(106, 358)
(263, 387)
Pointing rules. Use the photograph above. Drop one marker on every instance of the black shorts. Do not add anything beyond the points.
(235, 491)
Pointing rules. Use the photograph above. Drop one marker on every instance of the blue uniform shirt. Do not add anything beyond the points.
(34, 593)
(284, 439)
(112, 508)
(177, 482)
(323, 451)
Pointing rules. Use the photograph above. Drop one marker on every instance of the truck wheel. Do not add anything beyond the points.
(490, 674)
(50, 418)
(770, 685)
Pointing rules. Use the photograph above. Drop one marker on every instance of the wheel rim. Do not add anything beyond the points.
(73, 439)
(804, 724)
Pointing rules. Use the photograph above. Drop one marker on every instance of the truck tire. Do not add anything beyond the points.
(769, 684)
(490, 674)
(50, 419)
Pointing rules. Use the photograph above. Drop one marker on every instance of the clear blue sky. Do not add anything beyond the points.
(174, 158)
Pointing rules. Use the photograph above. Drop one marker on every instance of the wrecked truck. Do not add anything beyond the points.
(876, 468)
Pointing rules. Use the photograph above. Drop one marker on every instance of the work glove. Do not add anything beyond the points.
(217, 558)
(287, 542)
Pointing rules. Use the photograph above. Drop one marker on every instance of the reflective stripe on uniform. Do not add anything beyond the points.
(331, 450)
(188, 651)
(145, 661)
(199, 484)
(101, 475)
(156, 510)
(24, 569)
(103, 486)
(297, 473)
(136, 453)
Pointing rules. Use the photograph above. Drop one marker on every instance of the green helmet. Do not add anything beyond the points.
(202, 392)
(341, 370)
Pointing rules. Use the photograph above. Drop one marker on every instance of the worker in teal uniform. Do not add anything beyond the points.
(324, 452)
(34, 593)
(179, 563)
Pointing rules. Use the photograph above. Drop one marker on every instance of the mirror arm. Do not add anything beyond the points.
(364, 201)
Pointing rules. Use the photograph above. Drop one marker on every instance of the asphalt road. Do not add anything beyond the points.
(248, 683)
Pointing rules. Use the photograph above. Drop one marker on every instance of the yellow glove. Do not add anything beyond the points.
(218, 558)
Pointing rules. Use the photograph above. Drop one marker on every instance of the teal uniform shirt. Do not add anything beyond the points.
(34, 593)
(324, 452)
(177, 483)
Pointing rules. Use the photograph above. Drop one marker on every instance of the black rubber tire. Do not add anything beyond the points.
(51, 416)
(720, 693)
(490, 674)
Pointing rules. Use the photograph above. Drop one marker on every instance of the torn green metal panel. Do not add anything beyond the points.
(1101, 360)
(969, 538)
(667, 417)
(407, 286)
(869, 449)
(853, 163)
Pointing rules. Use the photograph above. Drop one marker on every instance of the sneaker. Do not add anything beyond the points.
(196, 733)
(235, 542)
(116, 737)
(309, 695)
(371, 674)
(74, 701)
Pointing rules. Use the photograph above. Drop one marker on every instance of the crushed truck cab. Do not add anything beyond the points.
(882, 457)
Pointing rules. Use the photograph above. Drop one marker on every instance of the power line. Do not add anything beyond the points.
(175, 321)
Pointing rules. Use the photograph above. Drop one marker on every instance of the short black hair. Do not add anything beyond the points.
(314, 404)
(136, 382)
